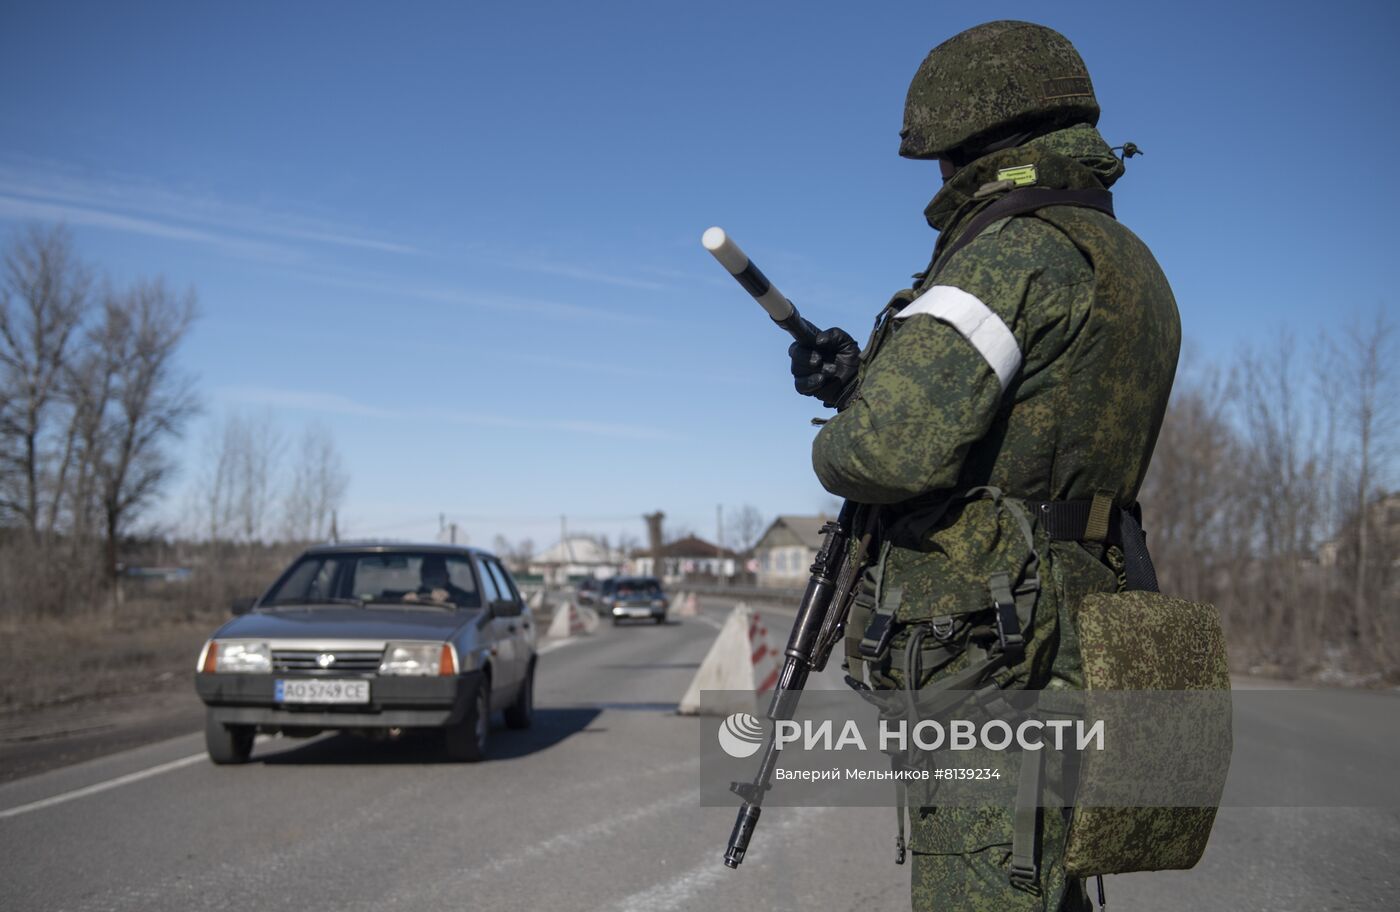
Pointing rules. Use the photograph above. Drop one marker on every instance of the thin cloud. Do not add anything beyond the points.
(135, 204)
(22, 209)
(590, 275)
(459, 297)
(712, 276)
(335, 404)
(546, 262)
(727, 378)
(329, 403)
(592, 367)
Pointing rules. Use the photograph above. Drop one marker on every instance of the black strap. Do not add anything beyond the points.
(1025, 831)
(1068, 520)
(1137, 563)
(1028, 199)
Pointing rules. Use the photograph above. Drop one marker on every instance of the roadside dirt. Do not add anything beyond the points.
(72, 691)
(55, 736)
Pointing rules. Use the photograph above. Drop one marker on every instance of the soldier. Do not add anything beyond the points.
(1004, 410)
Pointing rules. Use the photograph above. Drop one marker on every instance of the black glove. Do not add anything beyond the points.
(827, 369)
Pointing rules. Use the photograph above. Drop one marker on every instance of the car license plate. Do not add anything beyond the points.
(322, 691)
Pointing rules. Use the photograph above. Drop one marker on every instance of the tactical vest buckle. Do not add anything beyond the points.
(1009, 633)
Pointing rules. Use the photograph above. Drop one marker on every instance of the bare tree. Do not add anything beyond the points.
(744, 528)
(258, 457)
(44, 297)
(1195, 461)
(1368, 361)
(238, 483)
(218, 479)
(516, 556)
(89, 382)
(677, 532)
(316, 488)
(151, 401)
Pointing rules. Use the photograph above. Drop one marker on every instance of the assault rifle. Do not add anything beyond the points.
(821, 616)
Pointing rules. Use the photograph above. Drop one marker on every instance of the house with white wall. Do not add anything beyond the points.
(785, 551)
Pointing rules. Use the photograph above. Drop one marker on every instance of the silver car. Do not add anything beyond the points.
(373, 638)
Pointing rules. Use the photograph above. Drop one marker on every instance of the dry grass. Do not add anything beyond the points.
(67, 637)
(48, 662)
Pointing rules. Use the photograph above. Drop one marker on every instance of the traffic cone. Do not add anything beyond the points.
(588, 618)
(686, 605)
(742, 663)
(567, 622)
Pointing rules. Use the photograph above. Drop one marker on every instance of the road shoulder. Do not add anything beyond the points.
(40, 740)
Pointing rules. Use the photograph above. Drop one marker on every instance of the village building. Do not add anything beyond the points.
(785, 552)
(688, 559)
(576, 557)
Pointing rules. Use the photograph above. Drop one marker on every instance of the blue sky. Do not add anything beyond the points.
(466, 236)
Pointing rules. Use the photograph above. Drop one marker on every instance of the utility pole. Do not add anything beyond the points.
(653, 521)
(719, 543)
(566, 552)
(453, 533)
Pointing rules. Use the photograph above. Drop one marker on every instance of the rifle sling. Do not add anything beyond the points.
(1019, 202)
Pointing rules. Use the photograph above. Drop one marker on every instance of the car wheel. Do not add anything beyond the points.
(521, 712)
(466, 740)
(227, 744)
(617, 621)
(660, 618)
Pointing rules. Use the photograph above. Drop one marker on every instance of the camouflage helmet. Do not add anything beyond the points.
(991, 82)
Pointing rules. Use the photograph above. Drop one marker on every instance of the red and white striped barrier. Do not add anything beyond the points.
(765, 656)
(571, 620)
(687, 605)
(743, 662)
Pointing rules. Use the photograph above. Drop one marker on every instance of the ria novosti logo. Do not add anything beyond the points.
(741, 735)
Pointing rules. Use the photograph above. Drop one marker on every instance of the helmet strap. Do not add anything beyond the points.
(969, 154)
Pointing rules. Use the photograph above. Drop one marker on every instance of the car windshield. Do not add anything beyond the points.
(634, 586)
(400, 577)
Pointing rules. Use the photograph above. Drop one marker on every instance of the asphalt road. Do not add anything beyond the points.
(596, 807)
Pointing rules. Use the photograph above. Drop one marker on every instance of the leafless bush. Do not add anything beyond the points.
(1266, 497)
(316, 488)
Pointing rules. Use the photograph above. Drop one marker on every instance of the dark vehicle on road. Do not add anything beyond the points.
(374, 639)
(634, 597)
(586, 592)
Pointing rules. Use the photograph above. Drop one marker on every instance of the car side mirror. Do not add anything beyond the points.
(243, 605)
(506, 609)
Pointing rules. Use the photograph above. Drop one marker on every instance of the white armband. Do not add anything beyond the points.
(976, 322)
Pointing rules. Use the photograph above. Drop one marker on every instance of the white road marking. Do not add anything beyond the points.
(557, 644)
(680, 892)
(102, 786)
(561, 845)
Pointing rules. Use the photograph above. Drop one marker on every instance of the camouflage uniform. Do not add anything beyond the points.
(1063, 403)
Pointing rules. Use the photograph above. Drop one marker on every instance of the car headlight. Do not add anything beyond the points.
(240, 656)
(658, 603)
(418, 659)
